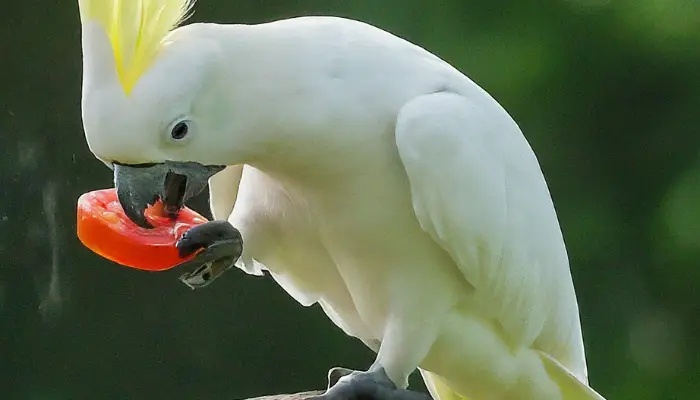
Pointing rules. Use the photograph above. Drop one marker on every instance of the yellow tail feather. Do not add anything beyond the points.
(438, 388)
(571, 388)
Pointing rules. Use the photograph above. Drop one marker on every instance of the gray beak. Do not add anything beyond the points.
(139, 186)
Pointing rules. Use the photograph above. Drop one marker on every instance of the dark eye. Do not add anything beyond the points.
(179, 130)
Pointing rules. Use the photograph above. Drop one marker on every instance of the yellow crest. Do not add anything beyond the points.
(136, 29)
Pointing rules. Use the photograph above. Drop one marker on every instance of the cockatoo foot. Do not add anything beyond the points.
(222, 244)
(346, 384)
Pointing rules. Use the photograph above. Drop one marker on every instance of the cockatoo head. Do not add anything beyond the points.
(149, 101)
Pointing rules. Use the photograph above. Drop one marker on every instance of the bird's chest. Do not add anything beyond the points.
(341, 246)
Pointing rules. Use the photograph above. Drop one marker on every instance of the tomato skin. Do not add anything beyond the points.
(104, 228)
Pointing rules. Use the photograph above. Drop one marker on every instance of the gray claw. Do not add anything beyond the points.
(207, 273)
(334, 375)
(355, 385)
(222, 244)
(209, 234)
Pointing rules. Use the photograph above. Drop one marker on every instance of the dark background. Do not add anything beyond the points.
(607, 92)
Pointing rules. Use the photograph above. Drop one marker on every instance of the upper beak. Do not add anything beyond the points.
(139, 186)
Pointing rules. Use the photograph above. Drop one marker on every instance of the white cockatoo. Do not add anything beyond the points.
(363, 173)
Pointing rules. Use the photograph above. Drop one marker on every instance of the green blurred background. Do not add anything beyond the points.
(607, 92)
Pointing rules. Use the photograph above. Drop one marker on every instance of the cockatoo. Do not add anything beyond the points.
(364, 173)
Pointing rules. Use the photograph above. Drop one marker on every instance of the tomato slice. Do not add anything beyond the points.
(104, 228)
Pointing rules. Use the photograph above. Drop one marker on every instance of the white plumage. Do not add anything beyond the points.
(370, 176)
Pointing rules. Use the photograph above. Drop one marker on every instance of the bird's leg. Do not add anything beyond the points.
(406, 341)
(221, 246)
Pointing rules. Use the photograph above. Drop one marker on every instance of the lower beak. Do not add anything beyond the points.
(139, 186)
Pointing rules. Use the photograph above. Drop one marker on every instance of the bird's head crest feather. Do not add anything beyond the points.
(136, 30)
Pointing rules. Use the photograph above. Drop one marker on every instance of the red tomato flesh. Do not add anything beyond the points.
(104, 228)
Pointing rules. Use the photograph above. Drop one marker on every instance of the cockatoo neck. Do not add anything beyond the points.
(276, 99)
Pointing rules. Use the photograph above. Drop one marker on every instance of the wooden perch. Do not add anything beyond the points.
(404, 395)
(335, 374)
(292, 396)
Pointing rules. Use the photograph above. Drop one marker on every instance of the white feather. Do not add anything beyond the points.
(378, 181)
(478, 190)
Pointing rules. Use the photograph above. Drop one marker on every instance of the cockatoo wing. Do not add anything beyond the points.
(223, 191)
(478, 190)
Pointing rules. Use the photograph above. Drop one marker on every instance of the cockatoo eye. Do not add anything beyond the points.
(180, 130)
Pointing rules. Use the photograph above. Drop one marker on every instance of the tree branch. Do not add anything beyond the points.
(292, 396)
(403, 395)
